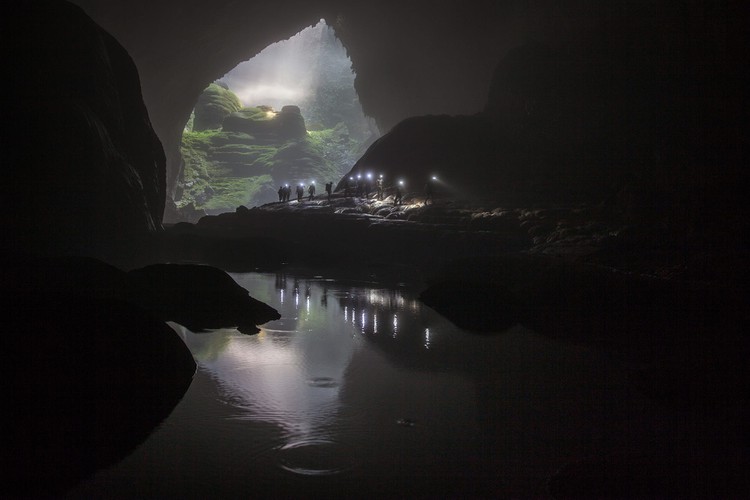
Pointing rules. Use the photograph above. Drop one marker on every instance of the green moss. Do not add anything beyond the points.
(225, 169)
(214, 104)
(231, 192)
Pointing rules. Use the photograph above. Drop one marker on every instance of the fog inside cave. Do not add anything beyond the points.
(311, 70)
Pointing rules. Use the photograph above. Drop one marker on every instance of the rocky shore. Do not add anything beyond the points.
(572, 271)
(672, 309)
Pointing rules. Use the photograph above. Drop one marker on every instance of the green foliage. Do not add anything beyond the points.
(245, 165)
(231, 192)
(214, 104)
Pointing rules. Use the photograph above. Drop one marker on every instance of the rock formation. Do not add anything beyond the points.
(244, 157)
(213, 106)
(85, 171)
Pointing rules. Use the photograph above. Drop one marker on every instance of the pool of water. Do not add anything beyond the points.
(361, 389)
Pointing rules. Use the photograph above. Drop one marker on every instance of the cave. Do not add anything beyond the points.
(244, 137)
(527, 275)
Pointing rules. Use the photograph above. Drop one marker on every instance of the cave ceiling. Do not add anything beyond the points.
(411, 58)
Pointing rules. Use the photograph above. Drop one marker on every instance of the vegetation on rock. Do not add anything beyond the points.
(253, 151)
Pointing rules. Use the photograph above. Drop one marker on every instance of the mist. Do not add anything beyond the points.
(296, 71)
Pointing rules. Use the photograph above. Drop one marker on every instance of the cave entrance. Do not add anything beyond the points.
(289, 115)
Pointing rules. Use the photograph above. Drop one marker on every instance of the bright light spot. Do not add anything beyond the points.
(281, 294)
(400, 183)
(426, 338)
(307, 304)
(369, 175)
(270, 114)
(374, 323)
(346, 313)
(434, 177)
(359, 176)
(395, 325)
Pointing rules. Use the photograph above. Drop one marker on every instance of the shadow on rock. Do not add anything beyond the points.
(197, 297)
(87, 380)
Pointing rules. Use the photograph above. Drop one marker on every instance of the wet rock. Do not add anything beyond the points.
(93, 377)
(198, 297)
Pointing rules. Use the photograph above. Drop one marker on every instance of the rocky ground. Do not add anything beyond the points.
(573, 271)
(367, 231)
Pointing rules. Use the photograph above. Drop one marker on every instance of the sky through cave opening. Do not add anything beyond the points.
(290, 115)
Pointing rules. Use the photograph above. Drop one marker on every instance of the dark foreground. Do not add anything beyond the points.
(674, 312)
(673, 309)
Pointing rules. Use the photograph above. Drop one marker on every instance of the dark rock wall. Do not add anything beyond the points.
(425, 57)
(655, 86)
(85, 172)
(181, 47)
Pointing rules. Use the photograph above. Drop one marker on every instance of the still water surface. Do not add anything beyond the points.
(360, 389)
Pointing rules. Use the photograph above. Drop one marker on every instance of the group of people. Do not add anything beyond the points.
(362, 189)
(359, 188)
(285, 191)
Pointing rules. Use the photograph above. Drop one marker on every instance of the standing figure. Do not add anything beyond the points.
(287, 192)
(428, 192)
(281, 193)
(329, 188)
(397, 198)
(311, 191)
(379, 186)
(300, 192)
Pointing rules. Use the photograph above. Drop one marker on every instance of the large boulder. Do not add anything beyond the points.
(198, 297)
(85, 172)
(88, 375)
(291, 123)
(215, 103)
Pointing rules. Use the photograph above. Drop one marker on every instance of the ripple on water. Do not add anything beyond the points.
(322, 382)
(314, 457)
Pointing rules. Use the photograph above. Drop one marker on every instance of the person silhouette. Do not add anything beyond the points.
(281, 193)
(311, 192)
(329, 188)
(428, 192)
(300, 192)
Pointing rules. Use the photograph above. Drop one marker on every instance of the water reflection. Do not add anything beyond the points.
(293, 372)
(374, 393)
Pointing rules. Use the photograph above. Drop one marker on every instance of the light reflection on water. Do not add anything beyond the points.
(328, 389)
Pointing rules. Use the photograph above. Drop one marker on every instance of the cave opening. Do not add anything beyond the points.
(290, 115)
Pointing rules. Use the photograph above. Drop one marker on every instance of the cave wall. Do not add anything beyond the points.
(85, 172)
(418, 57)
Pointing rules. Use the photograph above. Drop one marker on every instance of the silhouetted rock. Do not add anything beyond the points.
(91, 381)
(88, 177)
(198, 297)
(291, 123)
